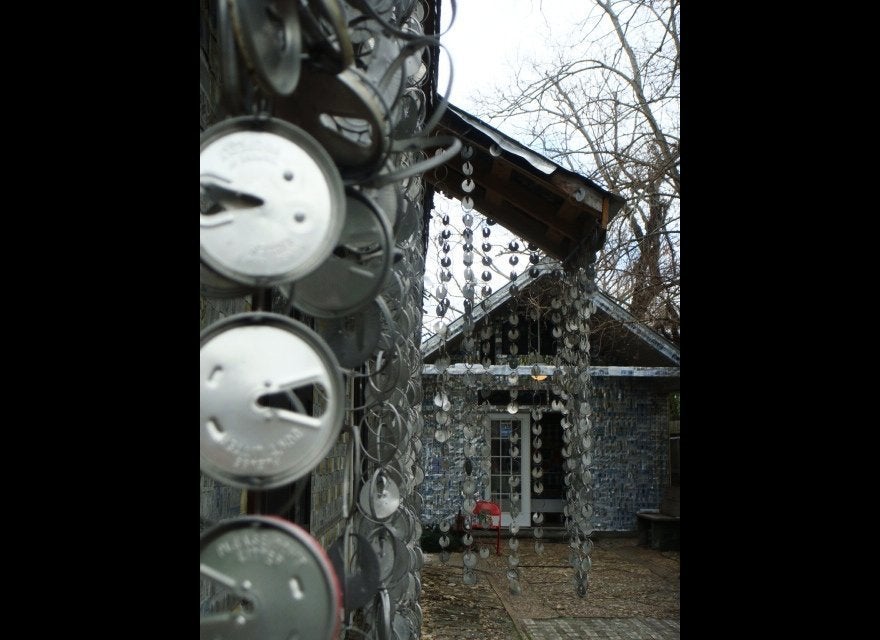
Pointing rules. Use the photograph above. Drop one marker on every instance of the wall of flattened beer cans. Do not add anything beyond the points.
(630, 461)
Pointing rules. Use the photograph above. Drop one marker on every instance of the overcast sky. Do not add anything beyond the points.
(490, 37)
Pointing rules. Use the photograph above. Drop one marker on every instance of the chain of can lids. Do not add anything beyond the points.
(575, 389)
(537, 413)
(470, 490)
(392, 384)
(405, 615)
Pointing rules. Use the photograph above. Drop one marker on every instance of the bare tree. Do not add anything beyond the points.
(607, 106)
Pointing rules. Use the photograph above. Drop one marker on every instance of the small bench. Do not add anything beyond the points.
(662, 530)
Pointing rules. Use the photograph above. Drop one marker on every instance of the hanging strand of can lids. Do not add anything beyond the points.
(325, 98)
(577, 287)
(514, 573)
(471, 351)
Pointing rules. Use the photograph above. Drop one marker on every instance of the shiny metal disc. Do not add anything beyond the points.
(405, 525)
(344, 112)
(409, 112)
(279, 201)
(326, 37)
(352, 338)
(380, 498)
(388, 198)
(254, 430)
(409, 222)
(390, 549)
(384, 434)
(351, 277)
(384, 614)
(403, 626)
(268, 33)
(377, 57)
(385, 374)
(397, 589)
(285, 582)
(360, 576)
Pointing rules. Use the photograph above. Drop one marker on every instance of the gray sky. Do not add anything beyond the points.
(490, 37)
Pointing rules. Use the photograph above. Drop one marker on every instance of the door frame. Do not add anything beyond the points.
(525, 467)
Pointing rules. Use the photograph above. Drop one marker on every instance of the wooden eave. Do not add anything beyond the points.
(559, 211)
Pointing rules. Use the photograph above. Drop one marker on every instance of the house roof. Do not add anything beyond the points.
(633, 339)
(558, 210)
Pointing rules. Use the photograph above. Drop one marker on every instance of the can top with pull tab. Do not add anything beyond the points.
(254, 430)
(278, 201)
(285, 582)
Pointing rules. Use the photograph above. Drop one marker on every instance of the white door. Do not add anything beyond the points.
(509, 432)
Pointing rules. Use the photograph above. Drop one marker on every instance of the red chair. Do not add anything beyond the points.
(493, 510)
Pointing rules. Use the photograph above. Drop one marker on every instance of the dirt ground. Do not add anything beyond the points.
(626, 580)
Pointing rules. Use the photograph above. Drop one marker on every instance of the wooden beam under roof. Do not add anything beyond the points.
(544, 203)
(499, 188)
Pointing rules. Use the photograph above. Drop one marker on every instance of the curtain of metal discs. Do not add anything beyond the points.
(571, 315)
(462, 421)
(311, 203)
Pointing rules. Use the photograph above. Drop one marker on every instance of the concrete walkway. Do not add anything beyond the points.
(605, 628)
(633, 595)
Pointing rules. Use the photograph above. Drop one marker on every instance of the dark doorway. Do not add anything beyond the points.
(551, 501)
